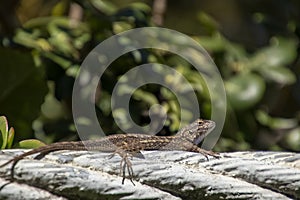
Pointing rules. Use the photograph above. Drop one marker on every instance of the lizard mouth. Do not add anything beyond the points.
(210, 126)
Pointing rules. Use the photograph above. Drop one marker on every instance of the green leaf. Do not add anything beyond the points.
(3, 131)
(245, 90)
(212, 43)
(274, 122)
(10, 138)
(30, 144)
(282, 51)
(60, 8)
(207, 22)
(64, 63)
(280, 75)
(31, 40)
(104, 6)
(292, 139)
(145, 96)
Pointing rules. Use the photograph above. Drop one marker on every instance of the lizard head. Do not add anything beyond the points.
(196, 131)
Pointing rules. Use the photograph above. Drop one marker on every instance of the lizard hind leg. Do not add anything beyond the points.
(125, 164)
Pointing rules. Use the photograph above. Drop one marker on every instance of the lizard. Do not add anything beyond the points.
(128, 144)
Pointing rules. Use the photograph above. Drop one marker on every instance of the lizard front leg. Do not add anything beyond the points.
(188, 146)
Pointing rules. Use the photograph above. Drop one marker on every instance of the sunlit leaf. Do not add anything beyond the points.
(292, 139)
(145, 96)
(280, 75)
(207, 22)
(3, 131)
(30, 144)
(10, 139)
(245, 90)
(104, 6)
(275, 122)
(281, 52)
(60, 8)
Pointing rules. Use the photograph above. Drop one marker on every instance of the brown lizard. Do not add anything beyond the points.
(128, 144)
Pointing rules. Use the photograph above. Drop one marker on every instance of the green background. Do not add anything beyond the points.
(255, 45)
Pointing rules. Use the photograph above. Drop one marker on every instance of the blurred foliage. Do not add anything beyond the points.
(7, 137)
(44, 42)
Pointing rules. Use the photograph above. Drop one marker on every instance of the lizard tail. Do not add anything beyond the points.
(6, 163)
(42, 152)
